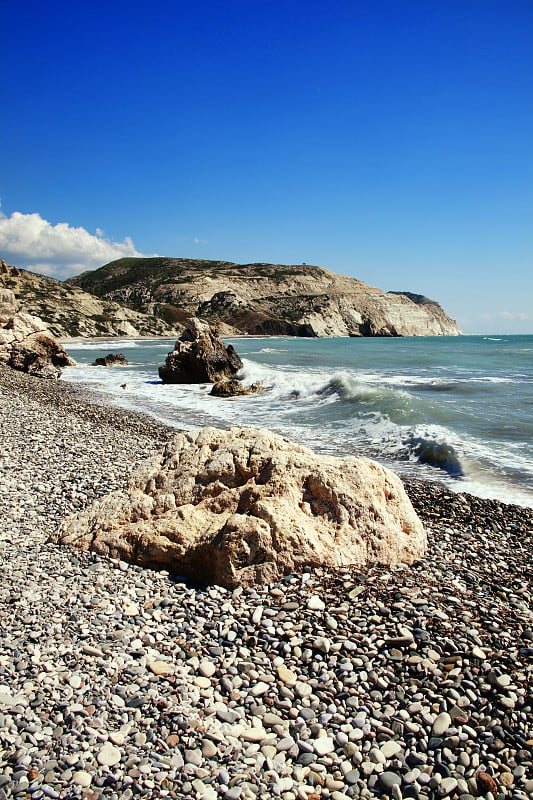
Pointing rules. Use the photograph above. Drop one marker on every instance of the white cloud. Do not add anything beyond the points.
(513, 315)
(28, 240)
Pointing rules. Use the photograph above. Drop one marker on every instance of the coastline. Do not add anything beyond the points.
(80, 633)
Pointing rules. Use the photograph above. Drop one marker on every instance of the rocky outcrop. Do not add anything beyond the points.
(26, 345)
(67, 311)
(111, 360)
(16, 329)
(234, 388)
(267, 299)
(246, 506)
(8, 304)
(41, 355)
(199, 356)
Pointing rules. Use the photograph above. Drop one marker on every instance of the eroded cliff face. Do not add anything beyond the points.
(68, 311)
(265, 299)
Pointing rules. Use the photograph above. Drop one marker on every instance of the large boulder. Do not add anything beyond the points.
(26, 345)
(247, 506)
(199, 356)
(17, 328)
(41, 355)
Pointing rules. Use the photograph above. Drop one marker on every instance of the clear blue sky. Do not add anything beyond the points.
(391, 141)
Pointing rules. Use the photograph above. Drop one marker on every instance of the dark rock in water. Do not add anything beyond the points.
(39, 354)
(437, 454)
(111, 360)
(233, 388)
(199, 356)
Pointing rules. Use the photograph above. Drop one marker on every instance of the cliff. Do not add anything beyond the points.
(264, 299)
(68, 311)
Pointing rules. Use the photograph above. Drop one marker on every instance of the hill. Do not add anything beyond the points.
(68, 311)
(264, 299)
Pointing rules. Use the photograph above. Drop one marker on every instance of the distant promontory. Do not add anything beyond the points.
(264, 299)
(155, 296)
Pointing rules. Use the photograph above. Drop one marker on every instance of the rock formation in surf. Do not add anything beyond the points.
(246, 506)
(234, 388)
(111, 360)
(199, 356)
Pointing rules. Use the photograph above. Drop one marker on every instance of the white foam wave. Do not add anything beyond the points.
(273, 350)
(338, 409)
(103, 344)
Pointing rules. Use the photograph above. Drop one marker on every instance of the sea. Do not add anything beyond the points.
(456, 410)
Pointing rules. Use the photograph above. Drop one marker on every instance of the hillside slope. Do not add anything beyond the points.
(265, 299)
(68, 311)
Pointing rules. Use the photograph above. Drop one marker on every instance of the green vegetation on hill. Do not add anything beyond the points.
(263, 299)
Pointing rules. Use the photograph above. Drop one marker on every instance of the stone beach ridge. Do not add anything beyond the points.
(119, 682)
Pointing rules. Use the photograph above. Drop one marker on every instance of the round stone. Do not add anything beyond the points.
(323, 745)
(286, 675)
(447, 786)
(302, 689)
(256, 734)
(260, 688)
(441, 724)
(207, 669)
(161, 668)
(391, 748)
(209, 749)
(109, 755)
(315, 603)
(81, 778)
(389, 779)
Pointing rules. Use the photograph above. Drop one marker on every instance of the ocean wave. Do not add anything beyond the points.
(273, 350)
(439, 423)
(103, 344)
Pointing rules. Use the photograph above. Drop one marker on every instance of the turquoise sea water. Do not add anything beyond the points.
(452, 409)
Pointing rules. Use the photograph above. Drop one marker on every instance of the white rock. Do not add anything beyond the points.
(315, 603)
(286, 675)
(161, 668)
(260, 688)
(441, 724)
(302, 689)
(81, 778)
(391, 748)
(323, 745)
(109, 755)
(207, 668)
(255, 528)
(256, 734)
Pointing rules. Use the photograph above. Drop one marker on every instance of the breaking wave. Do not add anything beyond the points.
(467, 427)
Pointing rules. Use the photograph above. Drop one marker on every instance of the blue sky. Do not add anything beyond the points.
(390, 141)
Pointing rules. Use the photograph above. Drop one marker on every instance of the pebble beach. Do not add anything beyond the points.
(120, 682)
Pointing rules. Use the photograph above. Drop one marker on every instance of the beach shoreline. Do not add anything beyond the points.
(421, 663)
